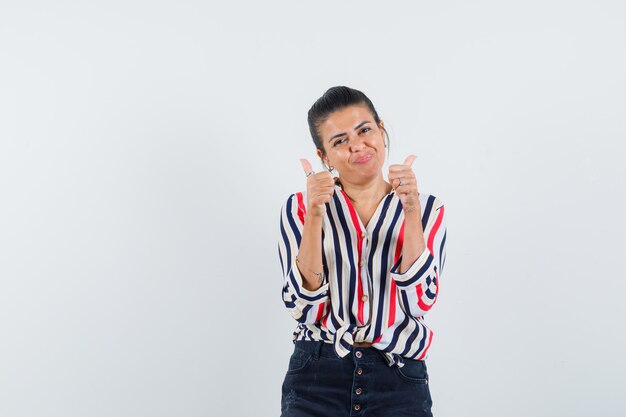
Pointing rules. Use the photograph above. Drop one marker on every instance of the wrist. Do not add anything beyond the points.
(412, 210)
(313, 216)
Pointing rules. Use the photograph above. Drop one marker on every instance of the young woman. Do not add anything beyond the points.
(362, 258)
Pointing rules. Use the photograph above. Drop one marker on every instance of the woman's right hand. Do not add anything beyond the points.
(320, 187)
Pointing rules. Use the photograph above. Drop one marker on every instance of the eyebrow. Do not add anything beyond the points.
(355, 128)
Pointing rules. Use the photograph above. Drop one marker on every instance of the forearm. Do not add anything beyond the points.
(413, 245)
(422, 261)
(309, 259)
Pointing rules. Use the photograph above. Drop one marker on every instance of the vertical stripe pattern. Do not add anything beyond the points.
(364, 298)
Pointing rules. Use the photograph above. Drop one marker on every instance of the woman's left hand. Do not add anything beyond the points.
(403, 180)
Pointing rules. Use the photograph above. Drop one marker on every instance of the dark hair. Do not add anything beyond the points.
(334, 99)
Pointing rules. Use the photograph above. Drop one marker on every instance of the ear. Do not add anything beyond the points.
(320, 155)
(382, 131)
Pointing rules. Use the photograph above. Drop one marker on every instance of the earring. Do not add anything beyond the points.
(330, 168)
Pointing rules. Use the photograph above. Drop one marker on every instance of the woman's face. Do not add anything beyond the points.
(354, 144)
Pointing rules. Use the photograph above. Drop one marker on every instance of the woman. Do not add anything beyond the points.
(361, 258)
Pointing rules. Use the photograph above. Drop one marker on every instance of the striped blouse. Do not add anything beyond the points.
(364, 298)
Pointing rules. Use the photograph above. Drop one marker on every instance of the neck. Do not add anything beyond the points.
(370, 192)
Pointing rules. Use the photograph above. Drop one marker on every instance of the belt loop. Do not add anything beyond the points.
(318, 349)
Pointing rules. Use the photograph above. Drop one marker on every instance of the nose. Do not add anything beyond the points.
(357, 143)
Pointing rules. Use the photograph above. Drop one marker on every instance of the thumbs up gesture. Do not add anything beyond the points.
(320, 187)
(403, 180)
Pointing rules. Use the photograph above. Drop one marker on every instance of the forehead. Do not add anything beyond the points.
(344, 120)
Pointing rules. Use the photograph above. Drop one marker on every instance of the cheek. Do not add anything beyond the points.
(376, 142)
(340, 152)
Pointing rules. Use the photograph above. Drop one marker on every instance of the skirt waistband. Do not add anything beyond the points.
(327, 350)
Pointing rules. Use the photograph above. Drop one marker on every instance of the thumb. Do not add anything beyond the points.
(306, 166)
(409, 160)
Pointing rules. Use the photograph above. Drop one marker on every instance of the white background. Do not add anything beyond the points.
(146, 148)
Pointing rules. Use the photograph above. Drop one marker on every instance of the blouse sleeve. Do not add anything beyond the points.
(305, 306)
(418, 286)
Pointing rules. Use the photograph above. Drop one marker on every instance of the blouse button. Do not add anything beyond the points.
(358, 354)
(363, 235)
(359, 371)
(361, 263)
(357, 407)
(358, 391)
(364, 298)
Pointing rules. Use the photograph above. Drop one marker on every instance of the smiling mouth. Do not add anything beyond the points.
(363, 159)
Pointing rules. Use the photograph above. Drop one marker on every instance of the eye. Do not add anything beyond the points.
(337, 142)
(365, 129)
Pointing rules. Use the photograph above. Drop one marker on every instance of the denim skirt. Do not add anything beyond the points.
(319, 383)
